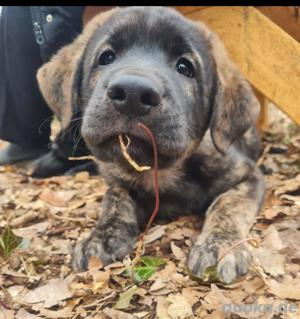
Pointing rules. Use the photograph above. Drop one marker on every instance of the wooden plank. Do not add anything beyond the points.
(263, 119)
(286, 17)
(189, 9)
(267, 56)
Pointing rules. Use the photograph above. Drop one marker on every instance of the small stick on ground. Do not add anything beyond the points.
(80, 158)
(24, 219)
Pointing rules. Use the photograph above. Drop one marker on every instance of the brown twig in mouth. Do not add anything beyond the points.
(124, 147)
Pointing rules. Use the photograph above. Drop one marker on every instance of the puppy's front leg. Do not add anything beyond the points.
(115, 234)
(228, 221)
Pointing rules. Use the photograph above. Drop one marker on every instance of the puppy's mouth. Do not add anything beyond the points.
(139, 148)
(130, 140)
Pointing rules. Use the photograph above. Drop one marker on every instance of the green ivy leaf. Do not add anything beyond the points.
(145, 268)
(142, 273)
(9, 242)
(152, 261)
(210, 275)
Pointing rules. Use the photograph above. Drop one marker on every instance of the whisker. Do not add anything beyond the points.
(76, 145)
(44, 122)
(75, 131)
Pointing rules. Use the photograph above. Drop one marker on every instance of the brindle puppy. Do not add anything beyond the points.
(152, 65)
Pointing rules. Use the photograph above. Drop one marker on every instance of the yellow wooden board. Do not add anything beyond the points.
(188, 9)
(267, 56)
(286, 17)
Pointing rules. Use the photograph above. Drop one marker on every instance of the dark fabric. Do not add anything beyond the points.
(22, 108)
(66, 24)
(24, 116)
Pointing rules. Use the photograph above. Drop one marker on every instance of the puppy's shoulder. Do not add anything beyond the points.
(235, 162)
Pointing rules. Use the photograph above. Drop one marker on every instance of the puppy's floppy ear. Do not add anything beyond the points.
(59, 79)
(235, 107)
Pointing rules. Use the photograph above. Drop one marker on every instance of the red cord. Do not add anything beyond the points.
(155, 179)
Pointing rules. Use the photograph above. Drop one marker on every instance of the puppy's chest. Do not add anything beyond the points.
(190, 194)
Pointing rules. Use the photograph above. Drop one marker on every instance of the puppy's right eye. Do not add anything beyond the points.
(185, 67)
(107, 57)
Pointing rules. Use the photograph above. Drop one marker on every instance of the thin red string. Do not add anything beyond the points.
(155, 179)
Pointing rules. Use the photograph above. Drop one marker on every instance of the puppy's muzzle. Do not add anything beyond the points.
(134, 95)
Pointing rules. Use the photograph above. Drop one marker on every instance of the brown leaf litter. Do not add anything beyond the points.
(54, 213)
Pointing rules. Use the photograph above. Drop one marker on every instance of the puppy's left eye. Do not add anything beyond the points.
(107, 57)
(185, 67)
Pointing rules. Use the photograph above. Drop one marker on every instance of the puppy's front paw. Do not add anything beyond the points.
(107, 247)
(84, 250)
(233, 265)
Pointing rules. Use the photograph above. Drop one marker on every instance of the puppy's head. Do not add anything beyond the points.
(154, 66)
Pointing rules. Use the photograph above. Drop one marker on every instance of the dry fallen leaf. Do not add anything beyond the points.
(215, 301)
(179, 307)
(157, 285)
(50, 294)
(25, 219)
(67, 195)
(267, 255)
(52, 198)
(6, 313)
(191, 295)
(294, 199)
(154, 233)
(94, 263)
(23, 314)
(7, 303)
(54, 314)
(82, 177)
(33, 230)
(272, 239)
(271, 261)
(125, 297)
(162, 308)
(288, 186)
(285, 290)
(60, 246)
(161, 287)
(177, 252)
(117, 314)
(166, 272)
(270, 213)
(116, 268)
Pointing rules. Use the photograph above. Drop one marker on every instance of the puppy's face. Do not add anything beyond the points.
(145, 65)
(148, 65)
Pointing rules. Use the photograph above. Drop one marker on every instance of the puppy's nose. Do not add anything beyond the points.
(134, 95)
